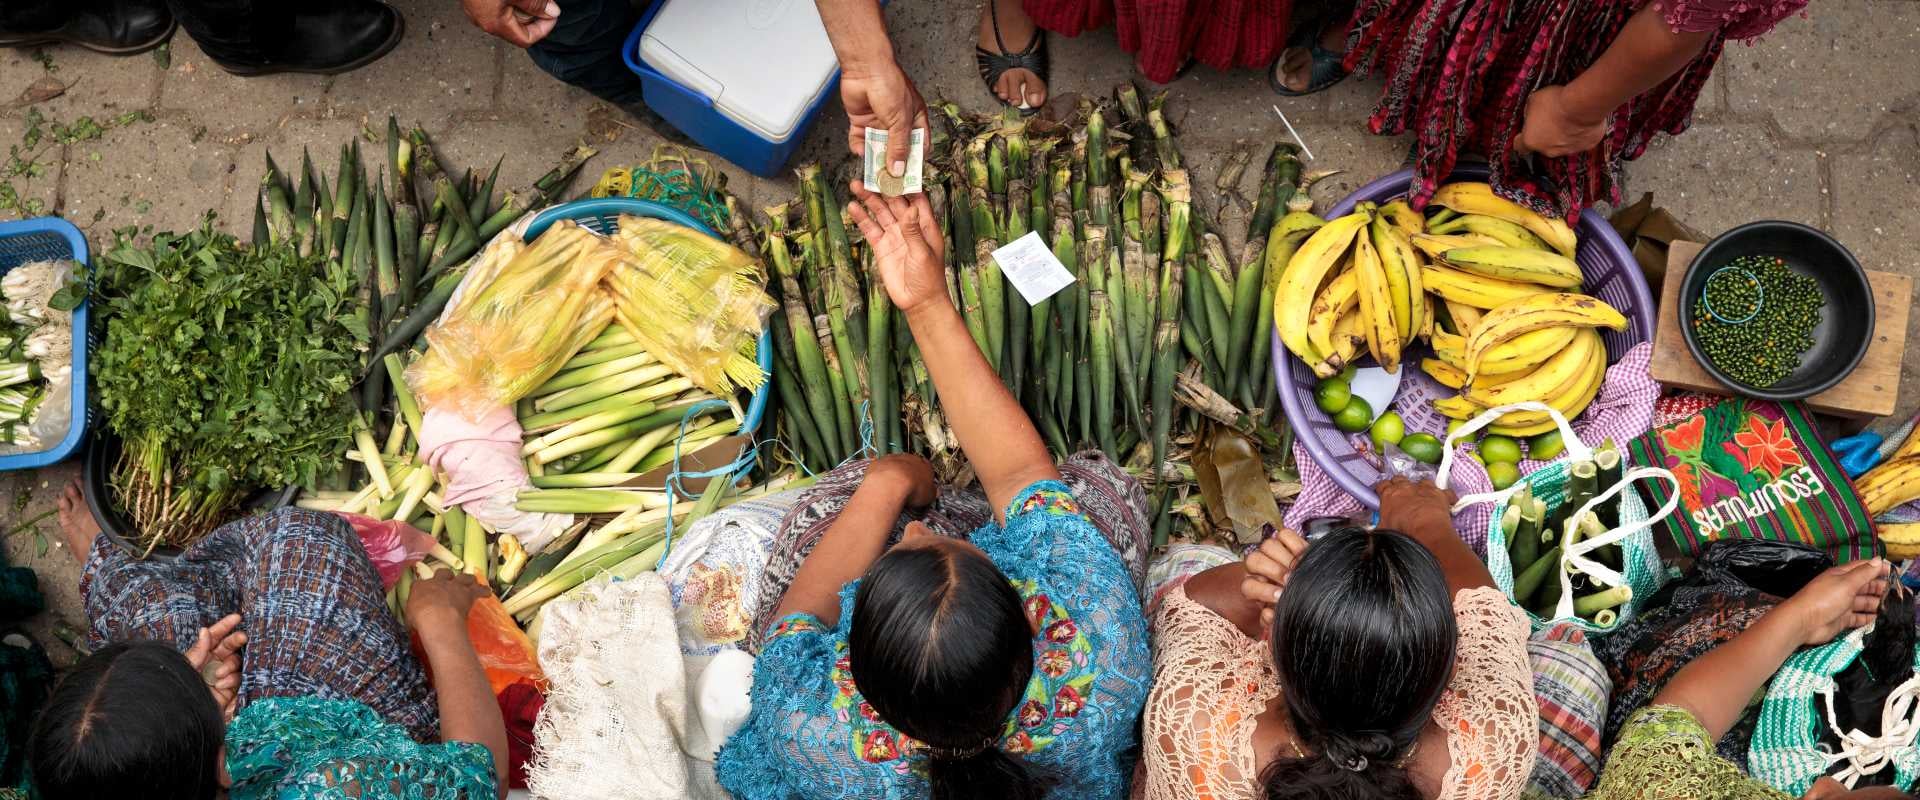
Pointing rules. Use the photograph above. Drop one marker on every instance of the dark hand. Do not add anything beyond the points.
(1552, 129)
(883, 99)
(443, 600)
(907, 248)
(1268, 567)
(216, 656)
(1839, 600)
(913, 472)
(1410, 507)
(521, 23)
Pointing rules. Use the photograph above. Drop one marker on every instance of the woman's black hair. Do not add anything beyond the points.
(941, 648)
(132, 720)
(1363, 641)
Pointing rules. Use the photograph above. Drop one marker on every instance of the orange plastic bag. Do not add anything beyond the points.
(505, 651)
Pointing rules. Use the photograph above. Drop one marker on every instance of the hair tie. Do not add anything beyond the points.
(1354, 764)
(963, 753)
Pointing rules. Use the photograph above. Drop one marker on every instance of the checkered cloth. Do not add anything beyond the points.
(1786, 749)
(310, 603)
(1622, 412)
(1572, 688)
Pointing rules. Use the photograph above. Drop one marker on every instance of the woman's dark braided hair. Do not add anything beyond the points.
(1363, 640)
(941, 648)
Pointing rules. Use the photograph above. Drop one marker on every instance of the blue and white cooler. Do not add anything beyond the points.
(744, 78)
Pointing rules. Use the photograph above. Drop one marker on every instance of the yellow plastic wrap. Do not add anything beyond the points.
(519, 315)
(693, 301)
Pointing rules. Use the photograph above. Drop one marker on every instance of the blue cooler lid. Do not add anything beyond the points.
(762, 63)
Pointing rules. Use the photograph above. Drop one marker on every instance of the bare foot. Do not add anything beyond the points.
(77, 526)
(1015, 86)
(1296, 63)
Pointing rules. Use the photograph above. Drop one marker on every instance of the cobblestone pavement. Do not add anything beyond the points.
(1819, 122)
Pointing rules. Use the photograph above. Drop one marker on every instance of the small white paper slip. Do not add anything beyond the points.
(878, 177)
(1032, 269)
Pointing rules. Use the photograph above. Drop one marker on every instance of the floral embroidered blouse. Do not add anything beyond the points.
(290, 748)
(812, 737)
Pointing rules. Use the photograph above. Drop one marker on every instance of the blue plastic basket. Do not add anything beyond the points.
(602, 215)
(40, 240)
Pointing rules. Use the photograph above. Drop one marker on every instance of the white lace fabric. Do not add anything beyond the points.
(1211, 683)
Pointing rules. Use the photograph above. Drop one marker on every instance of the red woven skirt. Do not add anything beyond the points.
(1458, 73)
(1164, 35)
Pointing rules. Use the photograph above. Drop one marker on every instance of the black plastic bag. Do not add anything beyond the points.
(1860, 690)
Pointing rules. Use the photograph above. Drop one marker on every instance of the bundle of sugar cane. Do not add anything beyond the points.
(693, 301)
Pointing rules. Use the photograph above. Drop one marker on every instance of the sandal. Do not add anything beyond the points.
(1324, 71)
(1032, 58)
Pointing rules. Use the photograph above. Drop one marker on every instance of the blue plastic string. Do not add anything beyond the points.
(738, 465)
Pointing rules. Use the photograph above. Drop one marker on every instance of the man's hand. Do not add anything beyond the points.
(521, 23)
(1410, 507)
(882, 99)
(1553, 129)
(1838, 600)
(443, 600)
(907, 248)
(216, 656)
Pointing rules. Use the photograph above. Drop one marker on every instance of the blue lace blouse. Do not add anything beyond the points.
(812, 737)
(290, 748)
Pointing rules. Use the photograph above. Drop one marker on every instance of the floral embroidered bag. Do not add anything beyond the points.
(1755, 469)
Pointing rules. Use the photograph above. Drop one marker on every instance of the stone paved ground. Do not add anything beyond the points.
(1819, 123)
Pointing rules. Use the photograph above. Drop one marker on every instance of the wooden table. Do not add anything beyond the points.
(1872, 390)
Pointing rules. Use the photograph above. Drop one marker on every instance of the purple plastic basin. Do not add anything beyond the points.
(1611, 274)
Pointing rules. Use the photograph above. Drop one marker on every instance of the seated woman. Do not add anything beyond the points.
(320, 697)
(1667, 749)
(1377, 664)
(988, 665)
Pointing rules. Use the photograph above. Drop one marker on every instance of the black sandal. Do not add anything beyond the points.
(1032, 58)
(1325, 69)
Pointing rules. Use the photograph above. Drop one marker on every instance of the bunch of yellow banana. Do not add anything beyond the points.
(1894, 483)
(1356, 282)
(1489, 284)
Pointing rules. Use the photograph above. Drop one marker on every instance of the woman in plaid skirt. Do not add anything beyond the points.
(263, 661)
(1577, 87)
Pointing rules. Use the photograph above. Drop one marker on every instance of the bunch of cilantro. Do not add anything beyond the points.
(225, 368)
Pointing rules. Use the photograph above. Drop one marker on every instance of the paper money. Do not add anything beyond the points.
(875, 172)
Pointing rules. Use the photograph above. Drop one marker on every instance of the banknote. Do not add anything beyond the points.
(876, 175)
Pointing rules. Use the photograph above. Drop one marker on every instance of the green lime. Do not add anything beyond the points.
(1386, 430)
(1503, 473)
(1454, 425)
(1498, 449)
(1545, 446)
(1347, 374)
(1355, 417)
(1422, 447)
(1332, 395)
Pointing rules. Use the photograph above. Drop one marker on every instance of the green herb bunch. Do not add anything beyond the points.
(225, 368)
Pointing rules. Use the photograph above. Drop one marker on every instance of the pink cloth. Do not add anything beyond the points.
(1735, 19)
(391, 545)
(484, 471)
(1622, 412)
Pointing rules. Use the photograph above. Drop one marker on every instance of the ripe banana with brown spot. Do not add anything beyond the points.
(1393, 261)
(1553, 378)
(1531, 423)
(1453, 377)
(1478, 198)
(1520, 264)
(1902, 539)
(1293, 299)
(1891, 484)
(1478, 291)
(1524, 352)
(1348, 336)
(1536, 312)
(1376, 305)
(1464, 316)
(1403, 216)
(1335, 301)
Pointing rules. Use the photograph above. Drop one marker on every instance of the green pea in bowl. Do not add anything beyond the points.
(1776, 310)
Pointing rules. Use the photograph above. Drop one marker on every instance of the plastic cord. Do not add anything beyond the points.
(739, 464)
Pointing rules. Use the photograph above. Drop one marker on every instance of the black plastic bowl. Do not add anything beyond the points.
(102, 451)
(1846, 322)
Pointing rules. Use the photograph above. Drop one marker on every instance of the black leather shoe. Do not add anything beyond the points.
(116, 28)
(344, 38)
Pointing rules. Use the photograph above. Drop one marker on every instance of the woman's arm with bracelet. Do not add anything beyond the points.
(998, 439)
